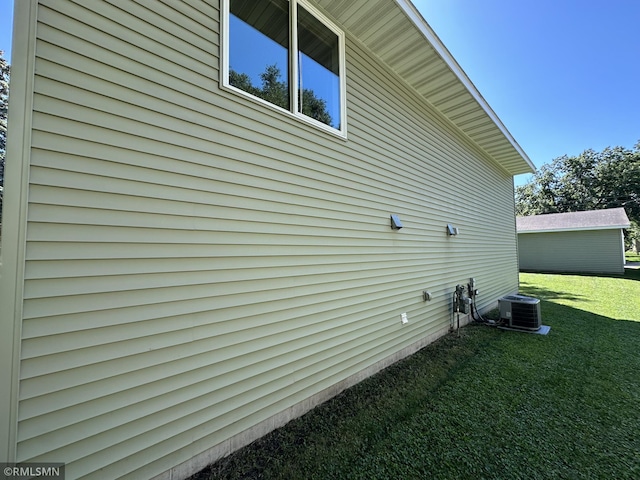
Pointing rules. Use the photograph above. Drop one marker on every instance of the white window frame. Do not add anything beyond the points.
(293, 62)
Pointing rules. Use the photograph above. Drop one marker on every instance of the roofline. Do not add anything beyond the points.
(575, 229)
(416, 17)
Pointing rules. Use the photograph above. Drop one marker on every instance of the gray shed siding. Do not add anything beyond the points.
(198, 266)
(579, 251)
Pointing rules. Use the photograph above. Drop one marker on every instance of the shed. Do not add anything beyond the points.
(579, 242)
(211, 226)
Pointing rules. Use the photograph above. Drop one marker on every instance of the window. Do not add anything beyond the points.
(286, 54)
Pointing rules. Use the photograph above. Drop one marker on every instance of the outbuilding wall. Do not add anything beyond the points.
(578, 251)
(199, 268)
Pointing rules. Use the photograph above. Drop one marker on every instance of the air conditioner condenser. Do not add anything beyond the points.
(521, 312)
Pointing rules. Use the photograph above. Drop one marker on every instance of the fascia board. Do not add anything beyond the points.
(574, 229)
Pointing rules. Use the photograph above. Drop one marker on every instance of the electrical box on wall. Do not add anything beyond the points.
(465, 305)
(462, 299)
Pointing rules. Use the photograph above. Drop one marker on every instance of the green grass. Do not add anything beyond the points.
(632, 257)
(489, 404)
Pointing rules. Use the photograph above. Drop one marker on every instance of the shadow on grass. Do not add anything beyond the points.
(487, 404)
(632, 274)
(548, 294)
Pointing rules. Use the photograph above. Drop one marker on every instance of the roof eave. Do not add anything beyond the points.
(424, 28)
(397, 34)
(575, 229)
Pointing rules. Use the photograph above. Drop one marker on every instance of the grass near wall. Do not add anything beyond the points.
(489, 404)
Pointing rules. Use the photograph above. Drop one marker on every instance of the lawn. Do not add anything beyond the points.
(489, 404)
(632, 257)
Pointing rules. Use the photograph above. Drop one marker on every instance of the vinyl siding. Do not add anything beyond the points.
(197, 263)
(588, 251)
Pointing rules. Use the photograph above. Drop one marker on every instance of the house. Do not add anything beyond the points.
(577, 242)
(197, 248)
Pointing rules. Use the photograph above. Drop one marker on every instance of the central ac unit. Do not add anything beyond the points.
(520, 311)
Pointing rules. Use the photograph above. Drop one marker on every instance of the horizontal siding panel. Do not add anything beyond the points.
(593, 251)
(98, 233)
(339, 182)
(224, 385)
(128, 250)
(198, 262)
(223, 218)
(257, 366)
(256, 180)
(322, 262)
(261, 266)
(196, 10)
(202, 314)
(285, 289)
(102, 30)
(92, 383)
(230, 189)
(315, 274)
(231, 404)
(263, 405)
(188, 205)
(213, 194)
(180, 20)
(156, 89)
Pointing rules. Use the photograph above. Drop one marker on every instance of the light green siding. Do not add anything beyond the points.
(580, 251)
(197, 264)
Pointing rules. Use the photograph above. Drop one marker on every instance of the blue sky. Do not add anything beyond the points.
(562, 75)
(6, 14)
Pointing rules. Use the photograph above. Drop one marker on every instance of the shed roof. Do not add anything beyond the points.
(610, 218)
(397, 33)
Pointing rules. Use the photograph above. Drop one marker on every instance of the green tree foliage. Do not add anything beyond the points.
(4, 108)
(243, 82)
(590, 181)
(315, 107)
(275, 91)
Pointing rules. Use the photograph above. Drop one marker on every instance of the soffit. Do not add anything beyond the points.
(397, 34)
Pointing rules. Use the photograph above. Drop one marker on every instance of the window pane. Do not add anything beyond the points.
(318, 70)
(259, 49)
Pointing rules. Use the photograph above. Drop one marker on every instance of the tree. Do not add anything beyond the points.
(275, 91)
(4, 108)
(315, 107)
(243, 82)
(590, 181)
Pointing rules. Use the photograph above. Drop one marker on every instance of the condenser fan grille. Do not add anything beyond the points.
(525, 315)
